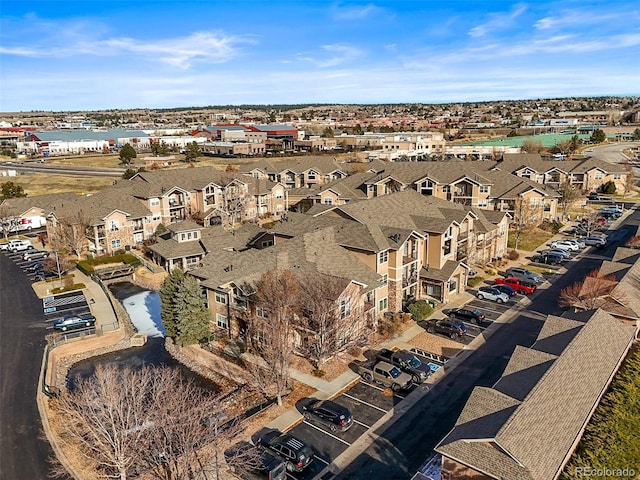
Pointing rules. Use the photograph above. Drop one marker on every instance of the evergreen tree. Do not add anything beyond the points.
(193, 152)
(193, 319)
(127, 154)
(11, 190)
(598, 136)
(168, 292)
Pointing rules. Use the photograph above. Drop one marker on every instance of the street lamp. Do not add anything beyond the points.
(55, 250)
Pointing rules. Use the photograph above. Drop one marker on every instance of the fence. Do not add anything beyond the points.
(431, 356)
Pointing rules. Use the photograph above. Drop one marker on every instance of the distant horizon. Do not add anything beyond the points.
(103, 55)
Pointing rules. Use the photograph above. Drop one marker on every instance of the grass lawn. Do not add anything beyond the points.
(44, 183)
(530, 240)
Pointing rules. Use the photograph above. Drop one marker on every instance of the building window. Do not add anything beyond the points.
(156, 217)
(155, 202)
(262, 312)
(484, 188)
(328, 201)
(446, 188)
(383, 257)
(221, 321)
(116, 243)
(267, 243)
(385, 279)
(383, 304)
(345, 307)
(617, 176)
(182, 236)
(113, 226)
(483, 203)
(598, 176)
(221, 298)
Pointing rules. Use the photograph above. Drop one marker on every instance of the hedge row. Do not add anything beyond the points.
(88, 266)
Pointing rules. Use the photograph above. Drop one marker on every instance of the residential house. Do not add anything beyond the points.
(21, 213)
(520, 429)
(304, 172)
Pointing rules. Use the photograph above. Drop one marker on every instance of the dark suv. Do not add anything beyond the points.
(451, 328)
(296, 454)
(331, 414)
(466, 315)
(253, 463)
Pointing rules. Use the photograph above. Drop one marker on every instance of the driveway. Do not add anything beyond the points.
(23, 455)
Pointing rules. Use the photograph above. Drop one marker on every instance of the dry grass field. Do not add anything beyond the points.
(43, 183)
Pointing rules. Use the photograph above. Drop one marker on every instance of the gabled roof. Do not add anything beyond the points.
(46, 203)
(532, 438)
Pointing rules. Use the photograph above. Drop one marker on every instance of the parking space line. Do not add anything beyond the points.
(381, 389)
(364, 403)
(363, 424)
(321, 459)
(327, 433)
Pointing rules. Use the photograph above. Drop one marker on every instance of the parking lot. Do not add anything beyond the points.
(55, 307)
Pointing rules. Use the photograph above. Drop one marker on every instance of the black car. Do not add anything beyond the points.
(505, 289)
(71, 322)
(407, 362)
(466, 315)
(33, 267)
(548, 259)
(252, 463)
(45, 275)
(296, 454)
(451, 328)
(331, 414)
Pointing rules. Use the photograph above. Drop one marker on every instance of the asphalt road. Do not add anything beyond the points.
(23, 455)
(405, 445)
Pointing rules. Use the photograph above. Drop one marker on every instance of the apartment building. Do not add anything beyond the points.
(304, 172)
(129, 212)
(587, 175)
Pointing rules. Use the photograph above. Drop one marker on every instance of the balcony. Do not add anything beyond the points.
(238, 303)
(461, 255)
(463, 236)
(409, 259)
(409, 279)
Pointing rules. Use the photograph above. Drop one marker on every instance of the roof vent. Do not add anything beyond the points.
(228, 268)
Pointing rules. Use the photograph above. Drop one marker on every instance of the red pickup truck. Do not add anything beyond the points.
(518, 285)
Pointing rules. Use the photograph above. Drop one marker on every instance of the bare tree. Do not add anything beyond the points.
(588, 293)
(630, 179)
(331, 316)
(104, 418)
(633, 242)
(71, 233)
(525, 216)
(271, 330)
(532, 146)
(6, 220)
(146, 420)
(568, 195)
(591, 223)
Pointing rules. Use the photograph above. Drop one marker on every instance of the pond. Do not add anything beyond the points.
(143, 306)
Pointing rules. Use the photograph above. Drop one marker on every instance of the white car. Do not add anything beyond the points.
(576, 241)
(565, 245)
(494, 294)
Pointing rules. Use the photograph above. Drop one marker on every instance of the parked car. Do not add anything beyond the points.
(451, 328)
(466, 314)
(597, 242)
(252, 463)
(34, 267)
(548, 259)
(490, 293)
(385, 374)
(576, 241)
(561, 252)
(296, 454)
(523, 273)
(42, 275)
(506, 289)
(19, 245)
(407, 362)
(522, 286)
(35, 255)
(72, 322)
(566, 245)
(331, 414)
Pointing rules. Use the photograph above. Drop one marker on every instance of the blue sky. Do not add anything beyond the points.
(69, 55)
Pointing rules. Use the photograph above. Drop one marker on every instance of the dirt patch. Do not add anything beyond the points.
(332, 368)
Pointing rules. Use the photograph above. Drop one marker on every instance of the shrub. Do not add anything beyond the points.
(69, 288)
(608, 188)
(389, 326)
(491, 271)
(420, 310)
(513, 255)
(318, 373)
(88, 266)
(553, 226)
(475, 281)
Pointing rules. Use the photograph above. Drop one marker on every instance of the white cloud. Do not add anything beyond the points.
(497, 21)
(355, 12)
(340, 54)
